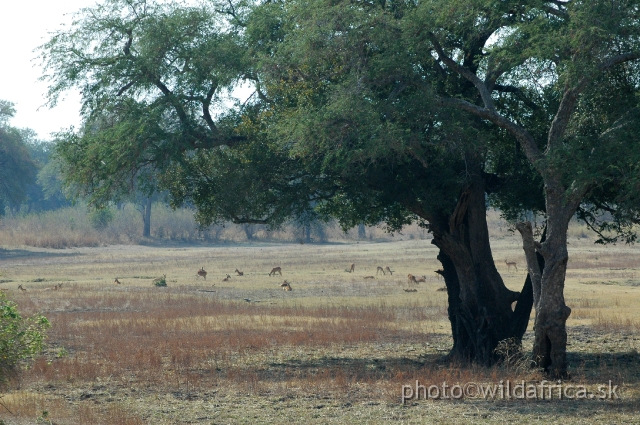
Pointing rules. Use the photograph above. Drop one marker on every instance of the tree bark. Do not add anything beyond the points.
(550, 345)
(146, 218)
(479, 303)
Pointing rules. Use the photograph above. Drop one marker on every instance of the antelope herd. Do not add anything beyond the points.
(286, 286)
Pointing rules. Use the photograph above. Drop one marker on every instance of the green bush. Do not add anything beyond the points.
(161, 281)
(20, 338)
(101, 218)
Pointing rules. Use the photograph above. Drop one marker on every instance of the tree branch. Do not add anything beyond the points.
(560, 13)
(464, 72)
(205, 108)
(529, 247)
(126, 87)
(517, 91)
(534, 155)
(615, 60)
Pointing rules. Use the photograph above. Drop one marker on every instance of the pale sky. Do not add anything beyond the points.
(26, 25)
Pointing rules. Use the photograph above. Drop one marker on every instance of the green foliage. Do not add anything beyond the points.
(101, 217)
(355, 113)
(20, 338)
(17, 169)
(160, 282)
(151, 72)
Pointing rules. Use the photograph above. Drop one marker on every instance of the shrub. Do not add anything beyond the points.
(101, 218)
(161, 281)
(20, 338)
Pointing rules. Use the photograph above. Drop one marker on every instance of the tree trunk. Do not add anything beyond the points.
(479, 303)
(307, 233)
(146, 218)
(248, 231)
(550, 345)
(362, 232)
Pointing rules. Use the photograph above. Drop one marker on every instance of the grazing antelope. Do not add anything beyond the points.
(239, 272)
(117, 282)
(202, 273)
(21, 288)
(275, 270)
(416, 279)
(388, 270)
(285, 286)
(351, 269)
(410, 290)
(159, 279)
(369, 277)
(511, 263)
(380, 269)
(227, 279)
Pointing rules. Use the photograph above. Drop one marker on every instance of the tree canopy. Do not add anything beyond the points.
(14, 160)
(382, 112)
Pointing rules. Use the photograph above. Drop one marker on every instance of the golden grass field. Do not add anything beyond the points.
(335, 349)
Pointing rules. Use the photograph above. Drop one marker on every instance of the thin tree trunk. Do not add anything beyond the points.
(362, 233)
(307, 233)
(146, 218)
(550, 344)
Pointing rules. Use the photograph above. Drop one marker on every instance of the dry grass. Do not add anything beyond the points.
(336, 349)
(72, 227)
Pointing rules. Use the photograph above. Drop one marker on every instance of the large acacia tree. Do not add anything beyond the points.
(343, 94)
(561, 57)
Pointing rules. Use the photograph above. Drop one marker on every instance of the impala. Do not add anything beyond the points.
(416, 279)
(275, 270)
(285, 286)
(380, 269)
(227, 279)
(21, 288)
(510, 264)
(239, 272)
(117, 282)
(202, 273)
(388, 270)
(351, 269)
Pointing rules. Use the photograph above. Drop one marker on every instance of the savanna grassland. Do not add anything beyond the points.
(335, 349)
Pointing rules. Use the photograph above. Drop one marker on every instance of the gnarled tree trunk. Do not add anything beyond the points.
(480, 309)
